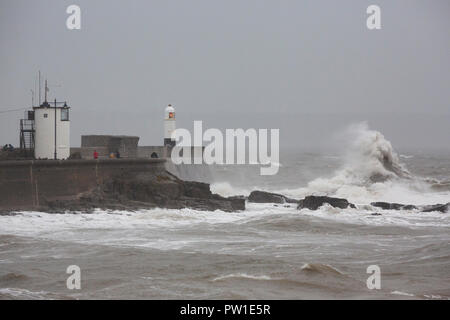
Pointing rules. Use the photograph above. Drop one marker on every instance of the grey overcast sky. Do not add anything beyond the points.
(309, 68)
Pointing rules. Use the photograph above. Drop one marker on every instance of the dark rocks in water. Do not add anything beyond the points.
(171, 192)
(132, 193)
(393, 206)
(398, 206)
(268, 197)
(437, 207)
(375, 214)
(409, 207)
(238, 197)
(214, 203)
(229, 204)
(315, 202)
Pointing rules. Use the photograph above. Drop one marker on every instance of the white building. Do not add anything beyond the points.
(52, 132)
(169, 125)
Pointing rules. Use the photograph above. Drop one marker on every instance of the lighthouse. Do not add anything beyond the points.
(169, 126)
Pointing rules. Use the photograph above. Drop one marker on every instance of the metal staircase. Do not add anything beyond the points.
(27, 132)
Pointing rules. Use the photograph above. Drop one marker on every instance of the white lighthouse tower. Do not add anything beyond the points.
(52, 130)
(169, 125)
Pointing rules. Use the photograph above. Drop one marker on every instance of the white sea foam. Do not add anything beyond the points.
(169, 229)
(145, 228)
(19, 293)
(401, 293)
(434, 296)
(405, 218)
(225, 189)
(371, 172)
(242, 276)
(412, 192)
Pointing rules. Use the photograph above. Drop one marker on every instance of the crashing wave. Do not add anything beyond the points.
(321, 268)
(371, 171)
(371, 158)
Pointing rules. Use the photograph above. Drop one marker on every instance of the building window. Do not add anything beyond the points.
(30, 115)
(64, 114)
(45, 115)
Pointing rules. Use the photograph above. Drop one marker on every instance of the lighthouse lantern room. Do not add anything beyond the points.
(169, 125)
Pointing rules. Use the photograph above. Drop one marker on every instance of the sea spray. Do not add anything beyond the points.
(371, 170)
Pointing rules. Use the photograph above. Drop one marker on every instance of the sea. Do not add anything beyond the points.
(268, 251)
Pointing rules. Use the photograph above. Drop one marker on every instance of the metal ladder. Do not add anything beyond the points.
(27, 131)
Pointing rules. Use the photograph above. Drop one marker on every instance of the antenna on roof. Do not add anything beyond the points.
(46, 90)
(39, 87)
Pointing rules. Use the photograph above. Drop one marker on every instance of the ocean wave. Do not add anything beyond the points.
(225, 189)
(12, 277)
(372, 171)
(242, 276)
(19, 293)
(435, 296)
(370, 159)
(320, 268)
(439, 185)
(394, 218)
(401, 293)
(113, 228)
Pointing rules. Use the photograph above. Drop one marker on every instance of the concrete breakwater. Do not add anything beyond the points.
(86, 184)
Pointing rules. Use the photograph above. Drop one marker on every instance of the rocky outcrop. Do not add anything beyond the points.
(398, 206)
(437, 207)
(393, 206)
(165, 191)
(315, 202)
(268, 197)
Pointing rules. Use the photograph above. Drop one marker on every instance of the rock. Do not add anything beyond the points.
(437, 207)
(134, 193)
(315, 202)
(237, 204)
(238, 197)
(398, 206)
(268, 197)
(409, 207)
(215, 203)
(194, 189)
(393, 206)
